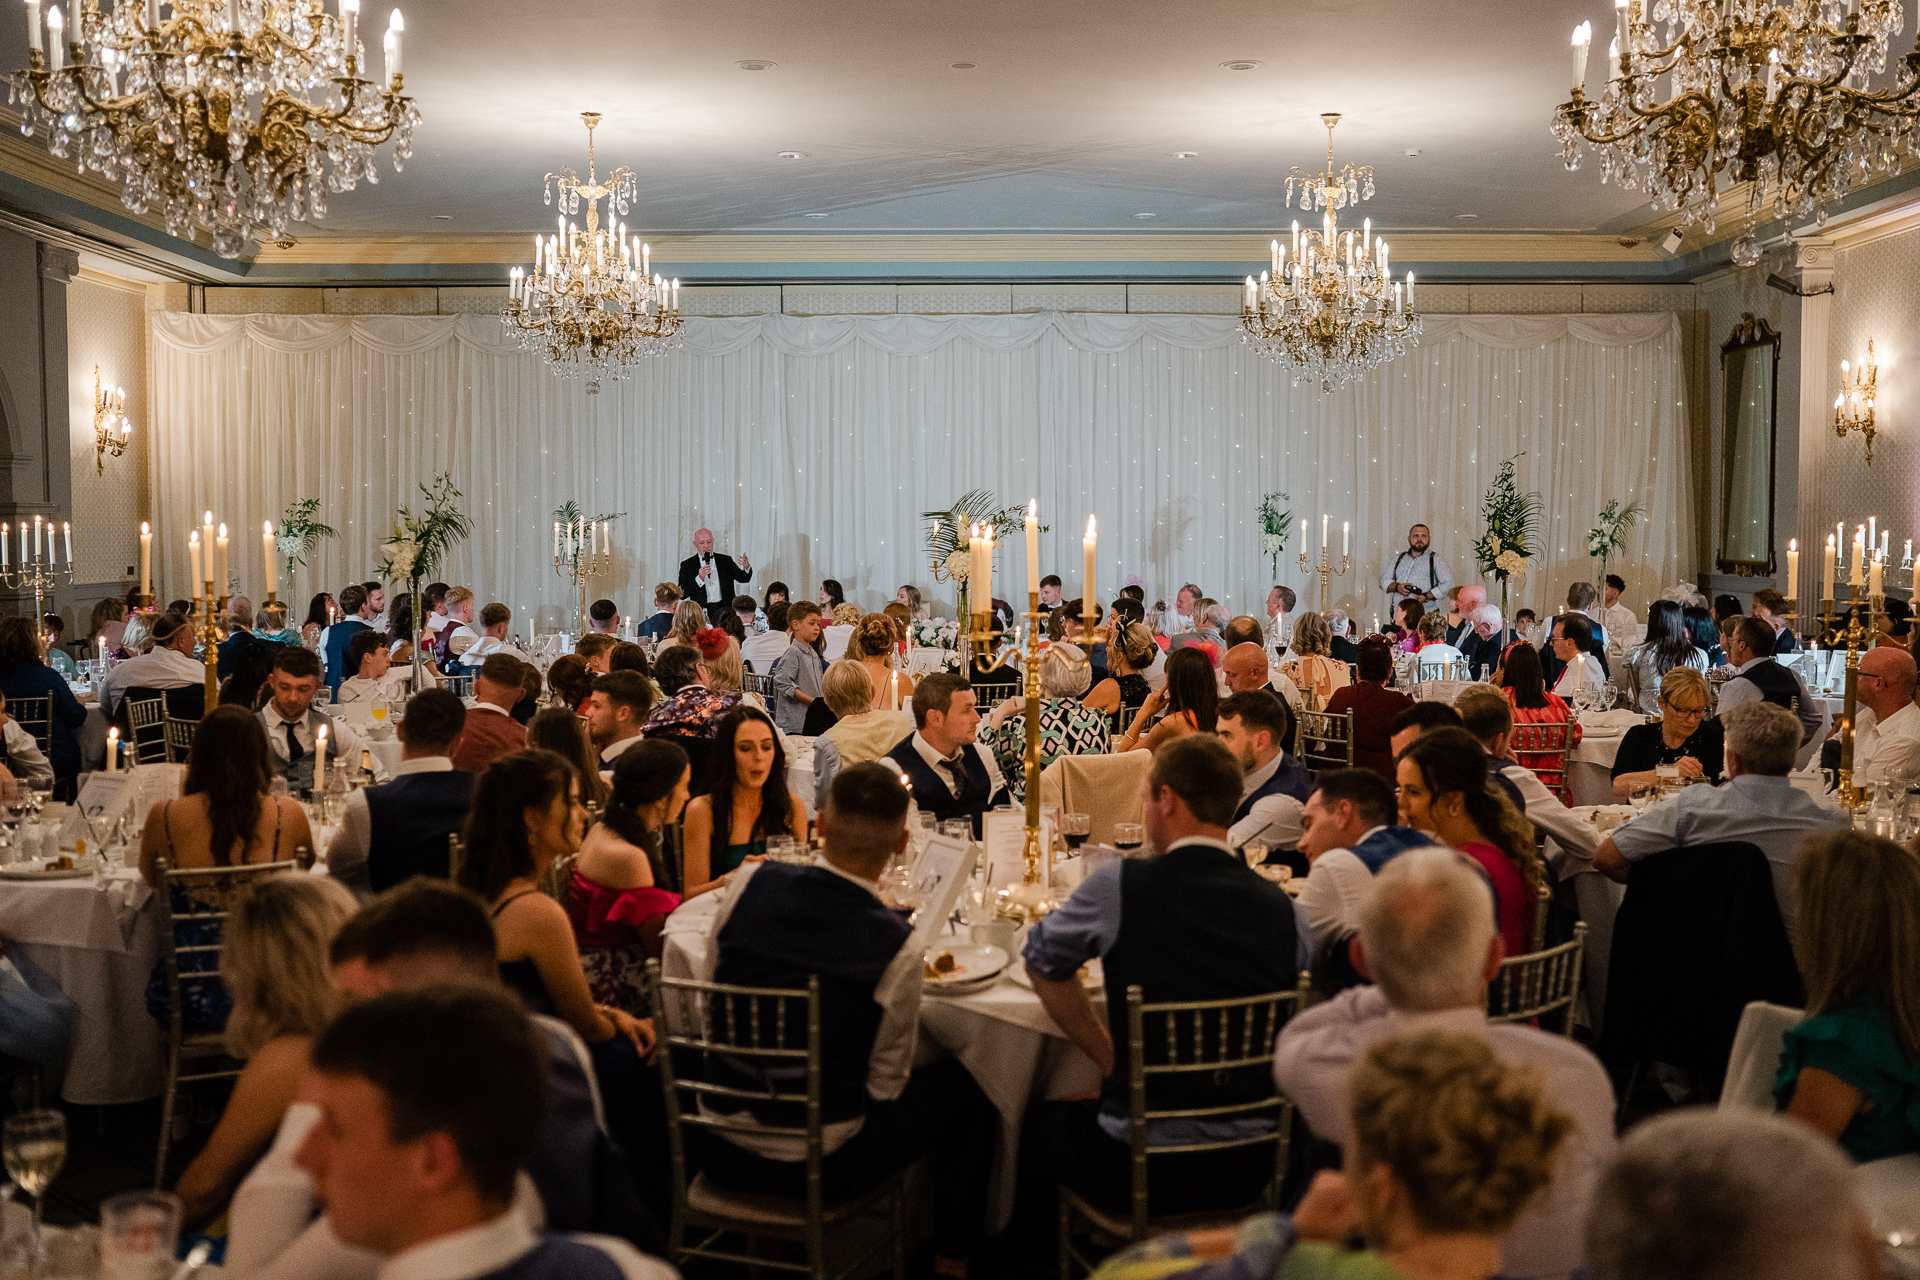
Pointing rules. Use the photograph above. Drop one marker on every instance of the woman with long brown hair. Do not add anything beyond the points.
(746, 801)
(1444, 788)
(1191, 698)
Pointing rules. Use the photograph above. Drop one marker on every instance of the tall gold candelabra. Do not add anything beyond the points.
(583, 548)
(1854, 636)
(211, 610)
(1326, 571)
(1030, 899)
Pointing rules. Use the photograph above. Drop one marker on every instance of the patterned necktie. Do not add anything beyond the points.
(294, 750)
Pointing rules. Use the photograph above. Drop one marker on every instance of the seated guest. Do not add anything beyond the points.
(356, 613)
(614, 895)
(1758, 678)
(1444, 788)
(109, 619)
(1892, 626)
(1583, 663)
(270, 625)
(666, 602)
(1190, 701)
(430, 1101)
(1770, 607)
(783, 924)
(747, 610)
(169, 665)
(1192, 923)
(371, 664)
(292, 723)
(491, 730)
(693, 712)
(1728, 1195)
(1129, 654)
(617, 712)
(1615, 617)
(1372, 705)
(1482, 642)
(240, 637)
(1669, 644)
(603, 618)
(570, 681)
(628, 656)
(950, 774)
(834, 638)
(1467, 600)
(1524, 623)
(875, 639)
(20, 755)
(745, 800)
(729, 624)
(594, 649)
(321, 612)
(1486, 714)
(1683, 736)
(689, 620)
(489, 638)
(52, 627)
(526, 814)
(1706, 635)
(726, 675)
(1067, 728)
(1273, 785)
(1427, 940)
(1405, 630)
(859, 733)
(1756, 805)
(225, 817)
(1342, 647)
(1450, 1145)
(1312, 668)
(558, 730)
(761, 651)
(797, 672)
(1434, 658)
(1852, 1069)
(1584, 599)
(1888, 750)
(1348, 831)
(273, 957)
(1416, 722)
(399, 829)
(1526, 687)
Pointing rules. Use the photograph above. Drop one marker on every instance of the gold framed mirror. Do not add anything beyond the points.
(1750, 395)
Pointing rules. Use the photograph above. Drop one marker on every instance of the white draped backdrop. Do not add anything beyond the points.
(813, 445)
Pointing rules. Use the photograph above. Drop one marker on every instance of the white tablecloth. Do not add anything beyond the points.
(1002, 1035)
(99, 943)
(800, 770)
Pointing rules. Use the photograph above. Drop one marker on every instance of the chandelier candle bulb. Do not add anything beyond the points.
(349, 20)
(56, 39)
(1793, 569)
(396, 28)
(33, 26)
(1087, 548)
(6, 532)
(1582, 41)
(1033, 546)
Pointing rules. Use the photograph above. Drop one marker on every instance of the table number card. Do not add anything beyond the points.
(939, 875)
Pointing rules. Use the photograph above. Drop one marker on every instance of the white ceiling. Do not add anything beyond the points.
(1066, 123)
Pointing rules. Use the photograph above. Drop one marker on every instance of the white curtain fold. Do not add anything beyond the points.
(812, 445)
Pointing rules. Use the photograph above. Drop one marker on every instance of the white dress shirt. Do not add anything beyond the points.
(160, 668)
(836, 638)
(1427, 571)
(617, 748)
(1274, 820)
(1576, 839)
(347, 855)
(763, 650)
(1337, 884)
(713, 578)
(1583, 670)
(477, 652)
(1890, 753)
(346, 744)
(1620, 622)
(25, 760)
(360, 689)
(953, 771)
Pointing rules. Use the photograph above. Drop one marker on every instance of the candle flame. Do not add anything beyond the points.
(1089, 526)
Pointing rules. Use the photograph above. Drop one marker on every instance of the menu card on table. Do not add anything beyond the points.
(939, 874)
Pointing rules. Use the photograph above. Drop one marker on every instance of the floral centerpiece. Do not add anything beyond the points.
(299, 534)
(1274, 524)
(1506, 548)
(936, 633)
(1609, 537)
(420, 544)
(947, 536)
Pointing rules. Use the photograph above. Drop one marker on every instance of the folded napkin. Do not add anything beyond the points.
(127, 893)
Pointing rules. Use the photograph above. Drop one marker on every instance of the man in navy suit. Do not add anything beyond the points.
(712, 579)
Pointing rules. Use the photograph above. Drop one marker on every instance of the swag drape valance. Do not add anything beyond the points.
(813, 444)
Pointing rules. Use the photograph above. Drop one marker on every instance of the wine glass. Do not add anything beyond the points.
(1128, 837)
(379, 710)
(34, 1146)
(1074, 828)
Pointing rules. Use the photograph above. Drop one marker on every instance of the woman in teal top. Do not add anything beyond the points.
(1426, 1107)
(1852, 1069)
(747, 773)
(270, 623)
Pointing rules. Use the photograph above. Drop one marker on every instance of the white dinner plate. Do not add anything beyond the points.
(975, 964)
(24, 873)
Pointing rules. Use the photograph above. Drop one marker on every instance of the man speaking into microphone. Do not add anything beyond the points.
(710, 579)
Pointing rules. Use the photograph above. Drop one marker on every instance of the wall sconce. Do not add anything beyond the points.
(112, 429)
(1853, 407)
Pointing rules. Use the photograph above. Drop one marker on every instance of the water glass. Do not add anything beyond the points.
(1641, 797)
(139, 1231)
(33, 1145)
(958, 828)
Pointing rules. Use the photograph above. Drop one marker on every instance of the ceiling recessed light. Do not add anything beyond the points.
(1466, 217)
(1146, 215)
(1183, 155)
(443, 217)
(792, 155)
(1414, 151)
(1241, 64)
(755, 64)
(813, 215)
(962, 66)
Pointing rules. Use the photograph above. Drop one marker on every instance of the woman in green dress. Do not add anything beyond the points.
(1450, 1144)
(1852, 1069)
(746, 801)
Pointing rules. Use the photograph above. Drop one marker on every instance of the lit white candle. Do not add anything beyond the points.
(266, 555)
(1323, 531)
(320, 759)
(1793, 569)
(206, 539)
(1087, 547)
(1346, 538)
(1876, 575)
(146, 559)
(113, 749)
(1873, 534)
(66, 531)
(1830, 572)
(222, 578)
(193, 555)
(5, 533)
(1033, 546)
(1859, 575)
(36, 537)
(556, 539)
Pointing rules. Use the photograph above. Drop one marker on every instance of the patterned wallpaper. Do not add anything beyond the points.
(1875, 298)
(106, 325)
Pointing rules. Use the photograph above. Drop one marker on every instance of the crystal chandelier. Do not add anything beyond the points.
(237, 116)
(591, 304)
(1771, 92)
(1328, 305)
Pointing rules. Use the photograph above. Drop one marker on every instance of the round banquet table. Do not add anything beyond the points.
(1006, 1040)
(99, 942)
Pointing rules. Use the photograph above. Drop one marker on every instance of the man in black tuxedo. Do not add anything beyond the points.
(710, 579)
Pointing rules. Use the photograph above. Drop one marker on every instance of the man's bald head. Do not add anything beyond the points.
(703, 541)
(1245, 667)
(1893, 686)
(1243, 630)
(1471, 597)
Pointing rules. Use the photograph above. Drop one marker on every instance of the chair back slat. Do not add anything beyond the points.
(1539, 982)
(35, 715)
(755, 683)
(1326, 740)
(179, 739)
(1544, 747)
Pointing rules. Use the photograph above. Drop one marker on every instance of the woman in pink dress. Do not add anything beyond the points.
(1445, 788)
(614, 896)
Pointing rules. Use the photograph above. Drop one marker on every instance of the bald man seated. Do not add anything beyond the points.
(1888, 749)
(1245, 669)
